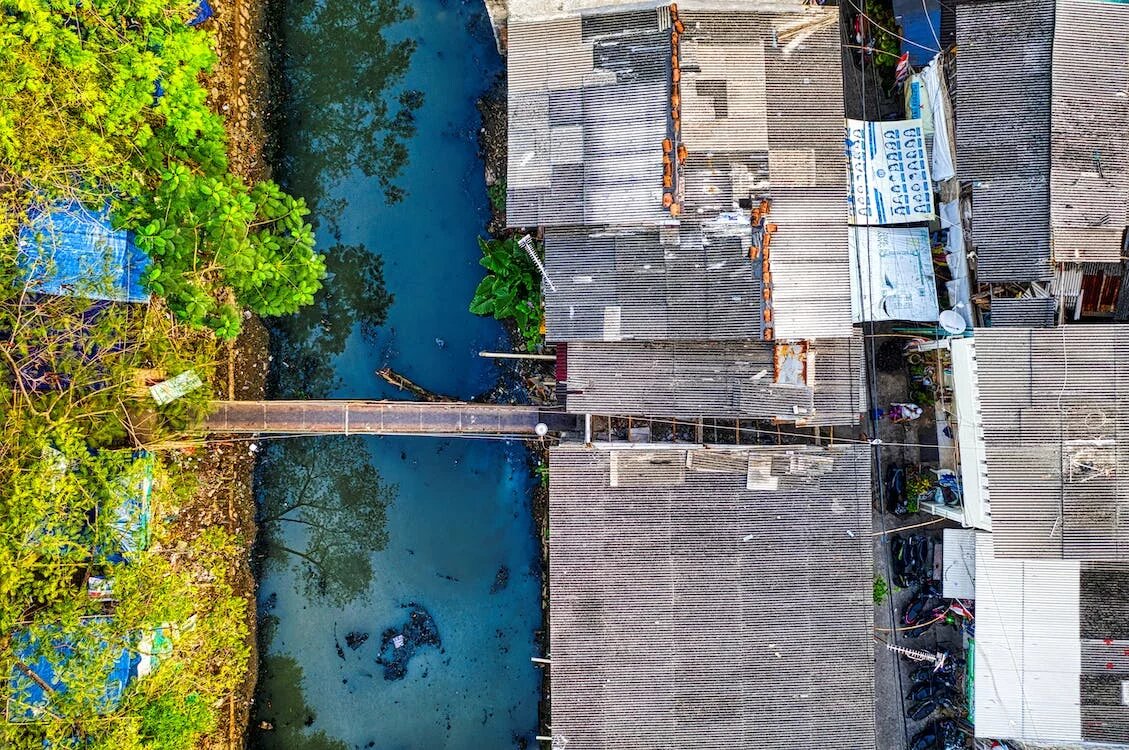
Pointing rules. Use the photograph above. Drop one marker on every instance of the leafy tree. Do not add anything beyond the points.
(324, 506)
(511, 290)
(209, 236)
(102, 99)
(78, 102)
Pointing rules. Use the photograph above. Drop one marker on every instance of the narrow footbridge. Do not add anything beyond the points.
(383, 418)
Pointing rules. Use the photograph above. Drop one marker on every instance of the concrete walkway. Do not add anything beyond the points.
(381, 418)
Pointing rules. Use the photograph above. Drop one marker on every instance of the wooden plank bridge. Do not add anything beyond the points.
(346, 417)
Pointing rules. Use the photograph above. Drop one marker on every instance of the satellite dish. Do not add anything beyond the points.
(541, 429)
(952, 322)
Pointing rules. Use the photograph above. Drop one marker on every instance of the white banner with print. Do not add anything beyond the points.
(889, 172)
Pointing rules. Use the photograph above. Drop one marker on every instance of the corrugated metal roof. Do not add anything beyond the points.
(762, 115)
(1003, 134)
(839, 380)
(761, 101)
(1051, 649)
(688, 611)
(1089, 137)
(534, 10)
(587, 116)
(1024, 312)
(1055, 406)
(672, 283)
(710, 379)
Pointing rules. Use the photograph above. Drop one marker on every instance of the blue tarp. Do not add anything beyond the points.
(69, 250)
(203, 13)
(43, 667)
(921, 24)
(131, 509)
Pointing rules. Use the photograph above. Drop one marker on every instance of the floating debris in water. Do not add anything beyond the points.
(501, 580)
(355, 639)
(398, 645)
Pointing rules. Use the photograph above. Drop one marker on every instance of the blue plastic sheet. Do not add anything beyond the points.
(131, 510)
(203, 13)
(42, 667)
(69, 250)
(921, 25)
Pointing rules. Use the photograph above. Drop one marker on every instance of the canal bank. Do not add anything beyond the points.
(417, 631)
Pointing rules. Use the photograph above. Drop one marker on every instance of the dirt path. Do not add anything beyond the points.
(238, 89)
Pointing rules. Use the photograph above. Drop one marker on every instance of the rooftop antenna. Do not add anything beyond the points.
(937, 660)
(526, 244)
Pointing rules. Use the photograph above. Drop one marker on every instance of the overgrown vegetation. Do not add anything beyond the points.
(103, 102)
(881, 589)
(511, 291)
(59, 532)
(497, 195)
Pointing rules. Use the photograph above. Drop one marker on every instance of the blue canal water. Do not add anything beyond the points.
(460, 544)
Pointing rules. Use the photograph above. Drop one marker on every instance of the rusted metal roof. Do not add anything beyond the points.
(1003, 100)
(688, 380)
(687, 589)
(1055, 406)
(1089, 137)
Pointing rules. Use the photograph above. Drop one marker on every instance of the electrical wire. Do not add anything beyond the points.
(938, 618)
(938, 519)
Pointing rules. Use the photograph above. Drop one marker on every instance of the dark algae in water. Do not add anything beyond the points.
(356, 528)
(398, 645)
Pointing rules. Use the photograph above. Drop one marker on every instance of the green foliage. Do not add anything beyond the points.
(211, 235)
(888, 46)
(172, 723)
(104, 99)
(918, 484)
(881, 589)
(77, 91)
(511, 290)
(51, 524)
(80, 118)
(497, 195)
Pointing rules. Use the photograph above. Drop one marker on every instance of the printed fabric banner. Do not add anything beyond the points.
(889, 172)
(892, 274)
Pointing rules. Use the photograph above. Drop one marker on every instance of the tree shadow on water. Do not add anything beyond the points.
(342, 111)
(304, 344)
(282, 716)
(323, 511)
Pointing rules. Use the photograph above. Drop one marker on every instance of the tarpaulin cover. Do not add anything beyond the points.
(131, 509)
(920, 22)
(43, 667)
(203, 13)
(889, 172)
(892, 274)
(69, 250)
(935, 93)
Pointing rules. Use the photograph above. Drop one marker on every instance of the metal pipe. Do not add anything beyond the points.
(519, 355)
